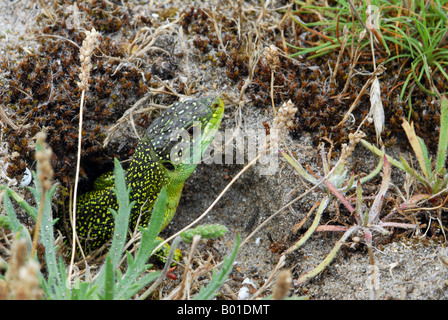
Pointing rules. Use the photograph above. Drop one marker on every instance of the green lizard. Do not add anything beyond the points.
(156, 163)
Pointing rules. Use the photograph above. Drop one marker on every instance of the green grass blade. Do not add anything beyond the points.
(443, 137)
(122, 217)
(328, 259)
(12, 222)
(149, 235)
(46, 233)
(322, 206)
(298, 167)
(127, 286)
(381, 154)
(29, 209)
(426, 159)
(109, 280)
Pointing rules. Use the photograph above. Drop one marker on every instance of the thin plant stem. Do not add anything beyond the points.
(328, 259)
(182, 291)
(165, 270)
(38, 223)
(272, 92)
(75, 191)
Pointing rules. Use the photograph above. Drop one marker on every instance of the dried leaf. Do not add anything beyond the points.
(377, 203)
(376, 108)
(413, 140)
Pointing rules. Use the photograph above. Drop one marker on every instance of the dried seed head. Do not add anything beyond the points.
(271, 54)
(347, 150)
(376, 108)
(283, 120)
(284, 116)
(21, 280)
(362, 35)
(283, 284)
(43, 157)
(85, 53)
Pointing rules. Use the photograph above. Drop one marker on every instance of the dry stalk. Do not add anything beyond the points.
(376, 109)
(271, 54)
(254, 57)
(217, 28)
(43, 35)
(144, 42)
(356, 14)
(186, 278)
(5, 118)
(268, 282)
(50, 15)
(45, 172)
(343, 44)
(129, 114)
(356, 56)
(183, 47)
(85, 55)
(373, 283)
(195, 274)
(378, 71)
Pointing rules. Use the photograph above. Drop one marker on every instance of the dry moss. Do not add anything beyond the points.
(39, 90)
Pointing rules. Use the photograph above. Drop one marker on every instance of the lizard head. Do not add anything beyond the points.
(180, 136)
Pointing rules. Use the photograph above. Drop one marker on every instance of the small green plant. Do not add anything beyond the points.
(332, 21)
(416, 33)
(433, 179)
(109, 282)
(421, 33)
(336, 178)
(208, 231)
(367, 222)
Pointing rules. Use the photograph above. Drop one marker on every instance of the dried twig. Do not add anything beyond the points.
(85, 53)
(45, 172)
(128, 114)
(378, 71)
(183, 292)
(252, 63)
(356, 56)
(341, 51)
(5, 117)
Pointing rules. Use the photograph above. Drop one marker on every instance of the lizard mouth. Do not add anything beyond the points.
(209, 131)
(213, 124)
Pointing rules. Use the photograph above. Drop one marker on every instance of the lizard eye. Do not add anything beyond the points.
(190, 130)
(169, 166)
